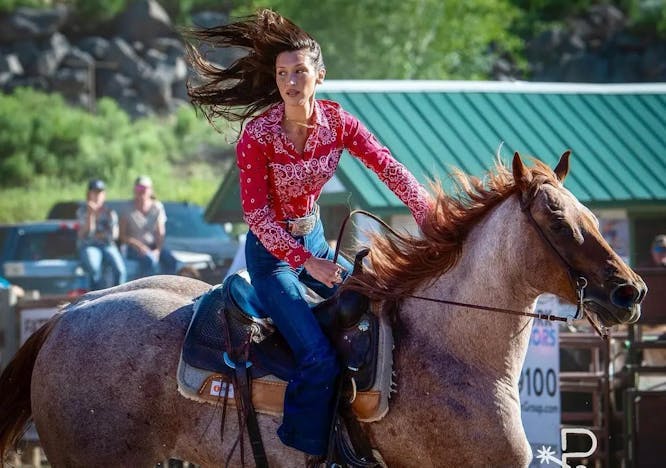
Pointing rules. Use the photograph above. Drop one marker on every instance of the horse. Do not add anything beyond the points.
(99, 379)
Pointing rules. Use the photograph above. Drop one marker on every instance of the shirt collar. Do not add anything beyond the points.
(275, 115)
(320, 115)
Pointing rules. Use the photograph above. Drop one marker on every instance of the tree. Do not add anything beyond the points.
(406, 39)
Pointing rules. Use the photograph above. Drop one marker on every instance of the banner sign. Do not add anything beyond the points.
(540, 382)
(32, 319)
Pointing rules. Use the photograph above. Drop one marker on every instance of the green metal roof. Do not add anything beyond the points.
(617, 134)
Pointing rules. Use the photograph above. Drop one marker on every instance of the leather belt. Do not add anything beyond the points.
(302, 226)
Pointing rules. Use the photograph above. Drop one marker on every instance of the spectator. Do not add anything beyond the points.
(98, 234)
(658, 250)
(143, 228)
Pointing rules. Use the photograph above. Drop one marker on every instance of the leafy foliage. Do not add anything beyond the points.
(406, 39)
(102, 10)
(410, 39)
(40, 135)
(9, 5)
(43, 142)
(647, 16)
(48, 149)
(98, 10)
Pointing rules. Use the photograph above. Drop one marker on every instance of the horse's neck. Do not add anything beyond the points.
(497, 269)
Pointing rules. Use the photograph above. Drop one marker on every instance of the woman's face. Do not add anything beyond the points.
(296, 77)
(97, 196)
(142, 192)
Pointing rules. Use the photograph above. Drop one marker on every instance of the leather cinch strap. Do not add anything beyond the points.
(243, 386)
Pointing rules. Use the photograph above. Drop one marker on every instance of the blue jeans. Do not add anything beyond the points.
(309, 398)
(150, 265)
(94, 256)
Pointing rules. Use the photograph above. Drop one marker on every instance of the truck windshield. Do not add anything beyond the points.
(57, 244)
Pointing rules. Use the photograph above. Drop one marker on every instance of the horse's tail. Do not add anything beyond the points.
(15, 411)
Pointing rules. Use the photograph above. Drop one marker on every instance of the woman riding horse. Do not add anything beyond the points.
(100, 378)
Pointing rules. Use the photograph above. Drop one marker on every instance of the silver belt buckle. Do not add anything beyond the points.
(305, 225)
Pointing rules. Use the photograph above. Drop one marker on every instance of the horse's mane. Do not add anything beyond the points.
(398, 265)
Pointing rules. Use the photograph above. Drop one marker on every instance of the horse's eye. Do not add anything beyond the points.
(556, 210)
(560, 226)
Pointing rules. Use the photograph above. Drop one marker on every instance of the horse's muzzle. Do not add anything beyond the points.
(626, 296)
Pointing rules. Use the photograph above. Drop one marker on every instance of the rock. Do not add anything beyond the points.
(10, 63)
(586, 68)
(173, 69)
(126, 59)
(606, 20)
(113, 84)
(625, 68)
(71, 81)
(179, 91)
(545, 45)
(170, 46)
(502, 70)
(625, 42)
(32, 23)
(144, 20)
(27, 52)
(653, 63)
(54, 50)
(209, 19)
(154, 90)
(35, 82)
(5, 77)
(154, 57)
(136, 109)
(222, 57)
(76, 58)
(96, 46)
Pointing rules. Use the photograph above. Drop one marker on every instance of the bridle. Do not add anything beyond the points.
(578, 281)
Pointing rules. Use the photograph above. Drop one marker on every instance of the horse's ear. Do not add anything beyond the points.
(521, 174)
(562, 168)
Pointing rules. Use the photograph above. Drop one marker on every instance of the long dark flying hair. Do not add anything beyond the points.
(247, 86)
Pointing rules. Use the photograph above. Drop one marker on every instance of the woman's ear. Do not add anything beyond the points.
(320, 75)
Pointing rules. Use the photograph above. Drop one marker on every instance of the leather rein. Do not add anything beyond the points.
(578, 281)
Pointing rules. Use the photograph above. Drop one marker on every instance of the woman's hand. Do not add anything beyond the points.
(92, 207)
(324, 271)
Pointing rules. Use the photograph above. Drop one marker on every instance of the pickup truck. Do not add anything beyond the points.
(42, 256)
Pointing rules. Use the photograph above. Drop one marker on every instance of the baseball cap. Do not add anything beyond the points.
(144, 181)
(96, 184)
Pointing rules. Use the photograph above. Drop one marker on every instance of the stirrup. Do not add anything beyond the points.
(344, 428)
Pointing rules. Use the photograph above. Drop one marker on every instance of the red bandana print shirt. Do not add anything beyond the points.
(278, 183)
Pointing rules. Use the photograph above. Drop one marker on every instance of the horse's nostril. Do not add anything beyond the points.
(642, 293)
(625, 296)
